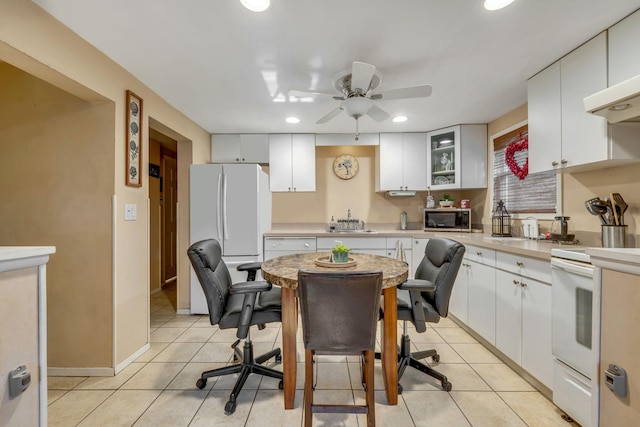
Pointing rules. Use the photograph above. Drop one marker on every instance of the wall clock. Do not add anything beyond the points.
(345, 166)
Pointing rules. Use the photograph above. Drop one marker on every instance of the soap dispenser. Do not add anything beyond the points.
(332, 224)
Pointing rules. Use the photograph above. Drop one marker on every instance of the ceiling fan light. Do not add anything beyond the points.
(399, 119)
(496, 4)
(292, 120)
(357, 106)
(256, 5)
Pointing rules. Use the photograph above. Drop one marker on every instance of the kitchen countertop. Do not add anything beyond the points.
(526, 247)
(626, 260)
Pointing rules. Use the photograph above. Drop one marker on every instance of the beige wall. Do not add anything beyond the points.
(333, 196)
(36, 43)
(56, 178)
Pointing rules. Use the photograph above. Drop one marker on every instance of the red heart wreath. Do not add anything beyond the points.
(509, 158)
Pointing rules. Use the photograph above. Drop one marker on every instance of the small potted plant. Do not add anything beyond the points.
(340, 252)
(446, 201)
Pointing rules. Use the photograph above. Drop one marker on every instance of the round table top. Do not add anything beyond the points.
(283, 271)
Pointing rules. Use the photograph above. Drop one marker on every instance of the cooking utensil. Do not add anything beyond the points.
(623, 206)
(615, 211)
(596, 206)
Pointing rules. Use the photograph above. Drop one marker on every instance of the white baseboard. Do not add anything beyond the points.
(120, 366)
(184, 311)
(155, 291)
(79, 372)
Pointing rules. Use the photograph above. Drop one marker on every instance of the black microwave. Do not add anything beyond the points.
(447, 219)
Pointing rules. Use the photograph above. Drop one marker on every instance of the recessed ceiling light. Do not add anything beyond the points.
(496, 4)
(256, 5)
(292, 120)
(399, 119)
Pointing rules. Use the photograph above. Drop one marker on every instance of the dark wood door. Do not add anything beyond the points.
(169, 189)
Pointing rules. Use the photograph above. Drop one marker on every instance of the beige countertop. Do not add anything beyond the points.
(526, 247)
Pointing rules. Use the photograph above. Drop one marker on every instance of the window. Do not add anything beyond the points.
(536, 193)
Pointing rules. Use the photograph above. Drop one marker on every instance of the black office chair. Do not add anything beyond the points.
(426, 299)
(339, 312)
(238, 305)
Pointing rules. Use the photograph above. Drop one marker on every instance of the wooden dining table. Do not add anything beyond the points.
(283, 271)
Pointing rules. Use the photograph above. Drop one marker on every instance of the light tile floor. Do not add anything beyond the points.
(158, 389)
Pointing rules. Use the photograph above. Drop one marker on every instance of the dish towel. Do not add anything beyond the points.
(400, 252)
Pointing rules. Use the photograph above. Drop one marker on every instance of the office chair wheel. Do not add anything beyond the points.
(230, 407)
(279, 358)
(435, 358)
(281, 385)
(201, 383)
(446, 385)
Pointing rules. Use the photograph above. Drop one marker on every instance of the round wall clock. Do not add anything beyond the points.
(345, 166)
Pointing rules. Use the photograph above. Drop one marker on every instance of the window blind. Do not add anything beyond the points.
(536, 193)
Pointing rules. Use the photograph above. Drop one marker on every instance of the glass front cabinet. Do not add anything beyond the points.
(457, 157)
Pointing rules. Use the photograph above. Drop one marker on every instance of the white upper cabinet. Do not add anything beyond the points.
(240, 148)
(292, 162)
(545, 120)
(624, 49)
(401, 162)
(562, 135)
(457, 157)
(583, 72)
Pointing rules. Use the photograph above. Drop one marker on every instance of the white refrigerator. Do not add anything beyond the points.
(232, 204)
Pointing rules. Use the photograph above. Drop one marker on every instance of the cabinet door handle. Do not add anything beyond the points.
(515, 282)
(479, 253)
(554, 163)
(564, 162)
(520, 264)
(522, 284)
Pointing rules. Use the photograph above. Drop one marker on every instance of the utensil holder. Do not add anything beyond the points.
(614, 236)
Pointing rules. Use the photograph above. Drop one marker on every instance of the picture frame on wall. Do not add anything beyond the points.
(133, 140)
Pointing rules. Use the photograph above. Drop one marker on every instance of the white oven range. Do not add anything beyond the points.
(572, 313)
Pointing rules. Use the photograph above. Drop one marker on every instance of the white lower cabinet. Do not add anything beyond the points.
(280, 246)
(523, 315)
(482, 299)
(363, 245)
(459, 301)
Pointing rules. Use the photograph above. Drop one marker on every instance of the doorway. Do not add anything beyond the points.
(163, 186)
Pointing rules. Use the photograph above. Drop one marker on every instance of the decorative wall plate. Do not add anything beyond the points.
(345, 166)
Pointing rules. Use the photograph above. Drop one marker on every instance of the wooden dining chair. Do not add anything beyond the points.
(339, 313)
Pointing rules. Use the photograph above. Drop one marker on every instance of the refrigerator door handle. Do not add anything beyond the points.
(224, 207)
(219, 213)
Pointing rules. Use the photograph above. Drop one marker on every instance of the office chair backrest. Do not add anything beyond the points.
(339, 310)
(440, 265)
(213, 275)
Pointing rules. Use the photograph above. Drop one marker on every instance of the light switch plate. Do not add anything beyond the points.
(130, 212)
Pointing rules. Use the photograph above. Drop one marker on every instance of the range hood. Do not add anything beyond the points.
(618, 103)
(401, 193)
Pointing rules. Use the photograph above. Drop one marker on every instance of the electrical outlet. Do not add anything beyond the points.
(420, 208)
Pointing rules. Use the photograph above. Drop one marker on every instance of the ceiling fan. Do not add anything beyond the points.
(357, 87)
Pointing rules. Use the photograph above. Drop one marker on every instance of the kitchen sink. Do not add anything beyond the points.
(354, 231)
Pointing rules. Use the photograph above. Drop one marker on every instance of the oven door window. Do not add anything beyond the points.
(584, 311)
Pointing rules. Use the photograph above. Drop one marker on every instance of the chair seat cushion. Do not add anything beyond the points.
(405, 311)
(268, 309)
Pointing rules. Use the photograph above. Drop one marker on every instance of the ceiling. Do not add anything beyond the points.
(230, 70)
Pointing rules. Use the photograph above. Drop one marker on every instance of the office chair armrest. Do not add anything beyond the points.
(251, 268)
(249, 287)
(415, 286)
(418, 285)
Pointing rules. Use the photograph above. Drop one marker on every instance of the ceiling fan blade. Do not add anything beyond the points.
(378, 114)
(329, 116)
(304, 93)
(361, 75)
(403, 93)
